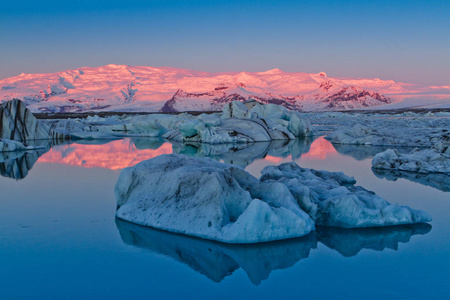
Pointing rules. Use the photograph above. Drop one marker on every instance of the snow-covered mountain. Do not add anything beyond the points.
(126, 88)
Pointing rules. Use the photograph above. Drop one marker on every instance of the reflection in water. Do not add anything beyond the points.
(119, 154)
(361, 152)
(217, 260)
(244, 154)
(350, 241)
(17, 164)
(435, 180)
(320, 149)
(114, 155)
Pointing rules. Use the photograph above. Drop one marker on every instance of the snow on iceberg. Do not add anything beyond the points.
(332, 199)
(420, 161)
(208, 199)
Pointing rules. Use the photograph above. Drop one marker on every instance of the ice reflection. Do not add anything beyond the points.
(361, 152)
(244, 154)
(17, 164)
(350, 241)
(217, 260)
(435, 180)
(119, 154)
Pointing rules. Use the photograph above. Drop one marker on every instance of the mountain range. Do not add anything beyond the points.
(125, 88)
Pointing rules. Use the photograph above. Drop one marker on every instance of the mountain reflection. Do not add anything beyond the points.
(435, 180)
(119, 154)
(217, 260)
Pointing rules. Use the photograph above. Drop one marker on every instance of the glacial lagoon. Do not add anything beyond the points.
(60, 237)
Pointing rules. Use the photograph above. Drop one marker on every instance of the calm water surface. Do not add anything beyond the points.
(60, 238)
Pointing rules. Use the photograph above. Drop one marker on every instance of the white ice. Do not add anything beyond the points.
(212, 200)
(420, 161)
(208, 199)
(332, 199)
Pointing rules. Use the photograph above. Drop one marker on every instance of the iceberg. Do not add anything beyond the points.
(332, 199)
(419, 161)
(17, 123)
(207, 199)
(237, 124)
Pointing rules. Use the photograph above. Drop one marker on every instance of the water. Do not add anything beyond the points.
(60, 239)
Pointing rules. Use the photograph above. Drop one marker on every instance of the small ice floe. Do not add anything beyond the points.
(208, 199)
(204, 198)
(419, 161)
(332, 199)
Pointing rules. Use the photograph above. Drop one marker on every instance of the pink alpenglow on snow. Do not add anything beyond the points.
(127, 88)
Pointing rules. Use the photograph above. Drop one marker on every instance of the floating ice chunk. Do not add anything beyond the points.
(229, 131)
(18, 123)
(442, 143)
(420, 161)
(208, 199)
(389, 133)
(332, 199)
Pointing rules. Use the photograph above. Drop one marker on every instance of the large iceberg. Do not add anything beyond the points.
(260, 123)
(212, 200)
(17, 123)
(332, 199)
(208, 199)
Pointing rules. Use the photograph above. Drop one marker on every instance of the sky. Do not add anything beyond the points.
(407, 41)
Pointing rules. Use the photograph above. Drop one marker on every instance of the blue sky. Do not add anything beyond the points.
(406, 41)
